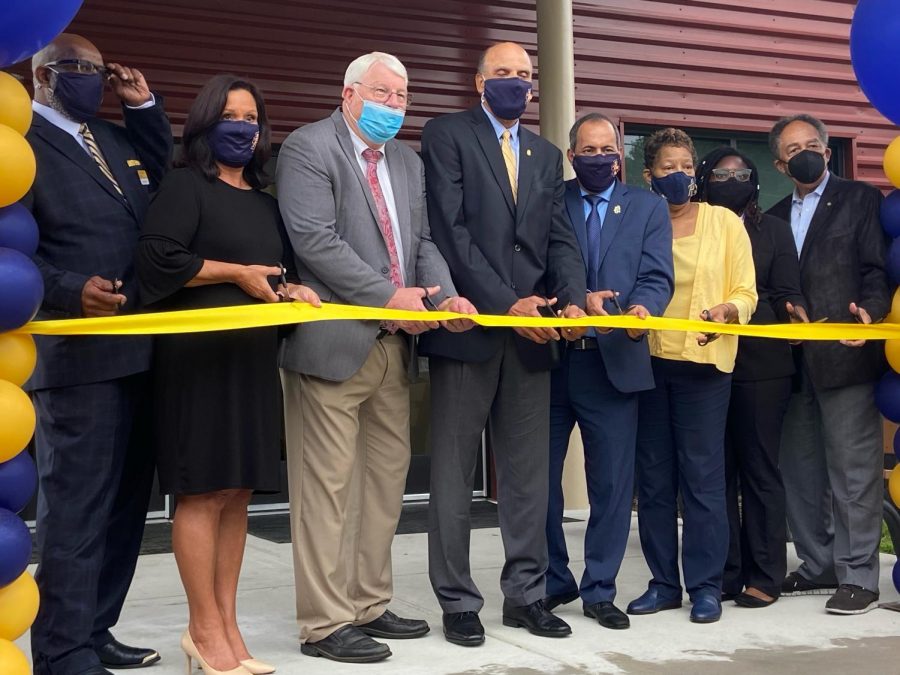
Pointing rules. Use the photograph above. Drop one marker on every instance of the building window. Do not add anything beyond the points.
(773, 185)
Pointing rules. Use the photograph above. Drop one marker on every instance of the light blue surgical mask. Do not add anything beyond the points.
(379, 123)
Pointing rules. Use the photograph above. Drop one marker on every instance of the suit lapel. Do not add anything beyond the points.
(400, 188)
(526, 170)
(67, 146)
(491, 148)
(346, 144)
(827, 204)
(575, 208)
(615, 213)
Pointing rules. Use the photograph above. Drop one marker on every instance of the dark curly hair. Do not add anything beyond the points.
(205, 112)
(665, 137)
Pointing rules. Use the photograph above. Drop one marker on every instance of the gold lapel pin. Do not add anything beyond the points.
(617, 209)
(528, 152)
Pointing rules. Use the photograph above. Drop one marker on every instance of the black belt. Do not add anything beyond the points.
(585, 344)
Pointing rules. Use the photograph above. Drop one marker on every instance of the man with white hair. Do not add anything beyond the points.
(353, 202)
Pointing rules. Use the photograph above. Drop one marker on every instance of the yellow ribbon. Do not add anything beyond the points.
(277, 314)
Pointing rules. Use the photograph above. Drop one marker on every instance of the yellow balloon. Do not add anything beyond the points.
(19, 603)
(15, 104)
(894, 486)
(12, 660)
(894, 315)
(891, 162)
(17, 166)
(16, 420)
(17, 357)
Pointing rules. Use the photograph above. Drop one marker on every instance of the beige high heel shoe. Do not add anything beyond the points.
(257, 667)
(191, 652)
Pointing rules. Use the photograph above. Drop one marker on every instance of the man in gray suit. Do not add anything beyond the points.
(353, 202)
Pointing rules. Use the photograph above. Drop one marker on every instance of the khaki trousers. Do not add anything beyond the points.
(347, 454)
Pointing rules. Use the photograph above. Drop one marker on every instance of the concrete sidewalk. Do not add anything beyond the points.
(793, 636)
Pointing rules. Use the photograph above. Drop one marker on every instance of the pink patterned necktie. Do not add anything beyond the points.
(384, 217)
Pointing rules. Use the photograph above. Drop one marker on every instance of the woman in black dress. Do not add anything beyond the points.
(212, 238)
(760, 388)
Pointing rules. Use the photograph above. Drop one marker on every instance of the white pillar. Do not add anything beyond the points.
(556, 69)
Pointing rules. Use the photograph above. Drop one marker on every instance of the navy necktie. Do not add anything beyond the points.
(594, 225)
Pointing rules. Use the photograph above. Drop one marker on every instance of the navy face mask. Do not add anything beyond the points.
(596, 172)
(676, 188)
(507, 96)
(233, 141)
(79, 94)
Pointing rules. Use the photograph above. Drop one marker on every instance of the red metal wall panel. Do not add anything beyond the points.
(726, 65)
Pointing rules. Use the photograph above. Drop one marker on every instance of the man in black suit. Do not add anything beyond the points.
(831, 444)
(94, 464)
(495, 205)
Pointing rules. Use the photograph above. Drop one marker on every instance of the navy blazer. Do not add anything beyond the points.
(635, 261)
(498, 249)
(86, 229)
(843, 261)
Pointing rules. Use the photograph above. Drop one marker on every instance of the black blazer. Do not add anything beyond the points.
(842, 261)
(498, 250)
(777, 283)
(87, 228)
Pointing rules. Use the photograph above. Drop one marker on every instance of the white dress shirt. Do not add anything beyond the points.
(384, 179)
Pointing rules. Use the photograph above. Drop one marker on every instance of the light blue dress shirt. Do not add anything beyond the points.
(605, 196)
(513, 134)
(72, 127)
(802, 210)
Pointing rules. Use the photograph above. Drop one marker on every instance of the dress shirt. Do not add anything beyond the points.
(802, 211)
(72, 127)
(605, 196)
(384, 180)
(513, 134)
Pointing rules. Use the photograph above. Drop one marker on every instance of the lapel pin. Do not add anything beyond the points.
(827, 203)
(528, 152)
(617, 209)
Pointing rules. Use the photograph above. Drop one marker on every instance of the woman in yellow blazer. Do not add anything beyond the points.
(681, 422)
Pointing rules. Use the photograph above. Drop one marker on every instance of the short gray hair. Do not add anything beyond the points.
(778, 129)
(592, 117)
(360, 66)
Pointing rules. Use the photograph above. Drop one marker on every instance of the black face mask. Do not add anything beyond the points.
(731, 193)
(80, 94)
(806, 167)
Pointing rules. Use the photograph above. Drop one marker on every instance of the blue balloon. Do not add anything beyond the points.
(890, 215)
(18, 229)
(887, 396)
(18, 478)
(15, 547)
(21, 289)
(895, 573)
(875, 53)
(26, 26)
(892, 264)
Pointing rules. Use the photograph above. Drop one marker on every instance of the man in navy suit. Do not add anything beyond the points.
(626, 243)
(94, 464)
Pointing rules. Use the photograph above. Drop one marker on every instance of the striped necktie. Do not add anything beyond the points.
(94, 149)
(509, 158)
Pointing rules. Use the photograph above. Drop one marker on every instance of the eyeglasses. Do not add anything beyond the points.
(77, 66)
(382, 94)
(741, 175)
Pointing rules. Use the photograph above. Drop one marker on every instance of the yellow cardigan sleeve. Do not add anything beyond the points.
(741, 291)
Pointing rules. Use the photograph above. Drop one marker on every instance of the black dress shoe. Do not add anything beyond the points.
(536, 618)
(347, 644)
(607, 615)
(389, 626)
(116, 655)
(551, 602)
(463, 628)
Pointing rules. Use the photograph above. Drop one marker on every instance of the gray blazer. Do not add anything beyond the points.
(331, 218)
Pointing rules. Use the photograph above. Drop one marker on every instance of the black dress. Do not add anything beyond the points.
(216, 395)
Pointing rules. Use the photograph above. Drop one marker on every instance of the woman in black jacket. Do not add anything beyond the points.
(761, 388)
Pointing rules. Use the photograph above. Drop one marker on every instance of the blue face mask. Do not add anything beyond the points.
(676, 188)
(379, 123)
(507, 96)
(233, 141)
